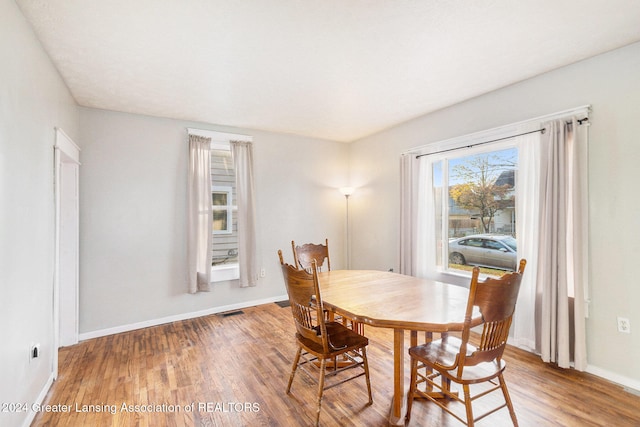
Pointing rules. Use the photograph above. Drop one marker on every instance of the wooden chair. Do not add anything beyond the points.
(303, 255)
(319, 340)
(456, 359)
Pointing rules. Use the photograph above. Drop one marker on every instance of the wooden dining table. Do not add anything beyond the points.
(399, 302)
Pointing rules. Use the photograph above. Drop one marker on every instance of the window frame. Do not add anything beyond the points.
(441, 261)
(228, 207)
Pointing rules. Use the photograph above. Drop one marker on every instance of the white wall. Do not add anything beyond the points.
(33, 101)
(133, 216)
(611, 84)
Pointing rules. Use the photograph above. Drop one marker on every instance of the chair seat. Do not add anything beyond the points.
(341, 338)
(444, 352)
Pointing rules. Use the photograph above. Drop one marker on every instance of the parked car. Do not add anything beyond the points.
(487, 250)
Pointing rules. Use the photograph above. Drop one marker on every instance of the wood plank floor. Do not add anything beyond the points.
(233, 371)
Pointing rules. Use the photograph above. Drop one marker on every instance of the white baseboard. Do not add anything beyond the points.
(633, 386)
(183, 316)
(628, 383)
(43, 393)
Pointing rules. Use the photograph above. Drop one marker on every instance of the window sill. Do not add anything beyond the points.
(460, 278)
(224, 272)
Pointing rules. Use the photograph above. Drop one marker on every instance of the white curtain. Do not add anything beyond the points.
(562, 254)
(427, 205)
(417, 216)
(523, 328)
(408, 212)
(247, 252)
(199, 220)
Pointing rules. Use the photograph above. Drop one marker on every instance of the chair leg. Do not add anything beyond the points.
(467, 404)
(412, 387)
(323, 367)
(366, 374)
(507, 398)
(446, 386)
(294, 368)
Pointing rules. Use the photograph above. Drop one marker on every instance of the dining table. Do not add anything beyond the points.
(384, 299)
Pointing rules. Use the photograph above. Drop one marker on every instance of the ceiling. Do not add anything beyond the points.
(332, 69)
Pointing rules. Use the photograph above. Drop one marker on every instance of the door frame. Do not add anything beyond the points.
(66, 153)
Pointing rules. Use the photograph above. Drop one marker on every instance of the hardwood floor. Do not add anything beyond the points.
(233, 371)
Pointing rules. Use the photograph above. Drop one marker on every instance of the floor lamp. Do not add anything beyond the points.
(347, 191)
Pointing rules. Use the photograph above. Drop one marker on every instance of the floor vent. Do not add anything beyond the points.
(230, 313)
(283, 303)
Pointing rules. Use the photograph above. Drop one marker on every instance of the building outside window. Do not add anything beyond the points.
(225, 225)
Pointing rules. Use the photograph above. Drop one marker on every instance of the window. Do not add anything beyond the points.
(526, 215)
(224, 253)
(479, 215)
(221, 204)
(225, 223)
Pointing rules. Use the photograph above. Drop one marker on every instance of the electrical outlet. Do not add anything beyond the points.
(34, 351)
(624, 325)
(263, 272)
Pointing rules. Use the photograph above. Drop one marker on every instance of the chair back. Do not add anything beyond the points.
(496, 299)
(306, 303)
(303, 255)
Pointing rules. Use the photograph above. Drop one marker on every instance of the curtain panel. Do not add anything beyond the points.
(242, 153)
(563, 237)
(199, 215)
(408, 212)
(417, 216)
(523, 328)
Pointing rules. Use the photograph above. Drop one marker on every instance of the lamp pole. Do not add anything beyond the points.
(346, 196)
(347, 191)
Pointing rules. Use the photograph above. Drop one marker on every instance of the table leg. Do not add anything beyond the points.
(399, 404)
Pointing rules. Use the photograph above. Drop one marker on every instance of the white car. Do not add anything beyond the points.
(487, 250)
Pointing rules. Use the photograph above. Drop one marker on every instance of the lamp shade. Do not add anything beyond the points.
(347, 191)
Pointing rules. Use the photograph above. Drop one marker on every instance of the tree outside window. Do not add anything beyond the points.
(480, 189)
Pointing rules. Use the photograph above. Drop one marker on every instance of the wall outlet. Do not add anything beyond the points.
(34, 351)
(624, 325)
(263, 272)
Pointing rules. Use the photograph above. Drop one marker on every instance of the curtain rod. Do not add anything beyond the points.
(217, 136)
(580, 121)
